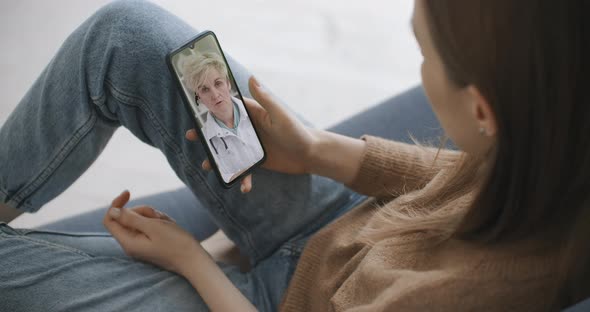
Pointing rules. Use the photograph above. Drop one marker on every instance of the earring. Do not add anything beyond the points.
(482, 131)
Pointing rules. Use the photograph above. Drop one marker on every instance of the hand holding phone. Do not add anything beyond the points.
(214, 102)
(288, 143)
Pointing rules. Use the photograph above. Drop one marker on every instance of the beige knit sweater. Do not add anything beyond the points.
(337, 272)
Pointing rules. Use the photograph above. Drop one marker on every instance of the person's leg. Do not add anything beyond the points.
(41, 275)
(402, 117)
(111, 71)
(180, 204)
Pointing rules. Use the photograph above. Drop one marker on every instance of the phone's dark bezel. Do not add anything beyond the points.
(189, 110)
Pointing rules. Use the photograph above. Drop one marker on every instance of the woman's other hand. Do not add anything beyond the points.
(287, 142)
(149, 235)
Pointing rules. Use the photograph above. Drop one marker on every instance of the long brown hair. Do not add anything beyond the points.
(529, 59)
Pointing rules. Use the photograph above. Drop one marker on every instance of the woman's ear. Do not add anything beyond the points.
(482, 112)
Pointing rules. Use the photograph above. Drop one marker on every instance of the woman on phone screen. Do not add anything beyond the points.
(227, 128)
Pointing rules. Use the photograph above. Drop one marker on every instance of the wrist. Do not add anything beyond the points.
(193, 256)
(334, 156)
(313, 154)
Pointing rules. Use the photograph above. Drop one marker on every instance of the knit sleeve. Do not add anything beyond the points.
(389, 168)
(464, 289)
(457, 296)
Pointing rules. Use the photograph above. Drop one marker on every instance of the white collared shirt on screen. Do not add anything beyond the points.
(232, 152)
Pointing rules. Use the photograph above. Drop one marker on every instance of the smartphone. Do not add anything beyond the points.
(212, 98)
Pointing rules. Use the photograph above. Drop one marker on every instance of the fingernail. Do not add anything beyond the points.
(114, 212)
(242, 188)
(124, 192)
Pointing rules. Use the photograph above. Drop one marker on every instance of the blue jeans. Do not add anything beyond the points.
(111, 71)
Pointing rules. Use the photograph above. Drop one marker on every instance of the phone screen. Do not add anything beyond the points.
(217, 106)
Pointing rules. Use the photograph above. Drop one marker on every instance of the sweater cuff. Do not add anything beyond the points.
(387, 167)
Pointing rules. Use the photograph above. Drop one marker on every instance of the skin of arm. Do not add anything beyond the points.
(335, 156)
(222, 249)
(148, 235)
(212, 284)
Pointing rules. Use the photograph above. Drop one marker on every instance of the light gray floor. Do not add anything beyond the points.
(326, 58)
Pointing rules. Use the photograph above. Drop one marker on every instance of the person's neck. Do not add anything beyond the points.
(227, 120)
(229, 124)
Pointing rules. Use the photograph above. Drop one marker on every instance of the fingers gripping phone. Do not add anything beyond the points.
(213, 100)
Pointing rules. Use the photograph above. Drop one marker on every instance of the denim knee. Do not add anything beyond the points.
(138, 22)
(125, 10)
(135, 36)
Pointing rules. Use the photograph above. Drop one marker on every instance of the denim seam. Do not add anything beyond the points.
(49, 244)
(99, 102)
(129, 100)
(64, 233)
(4, 194)
(46, 173)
